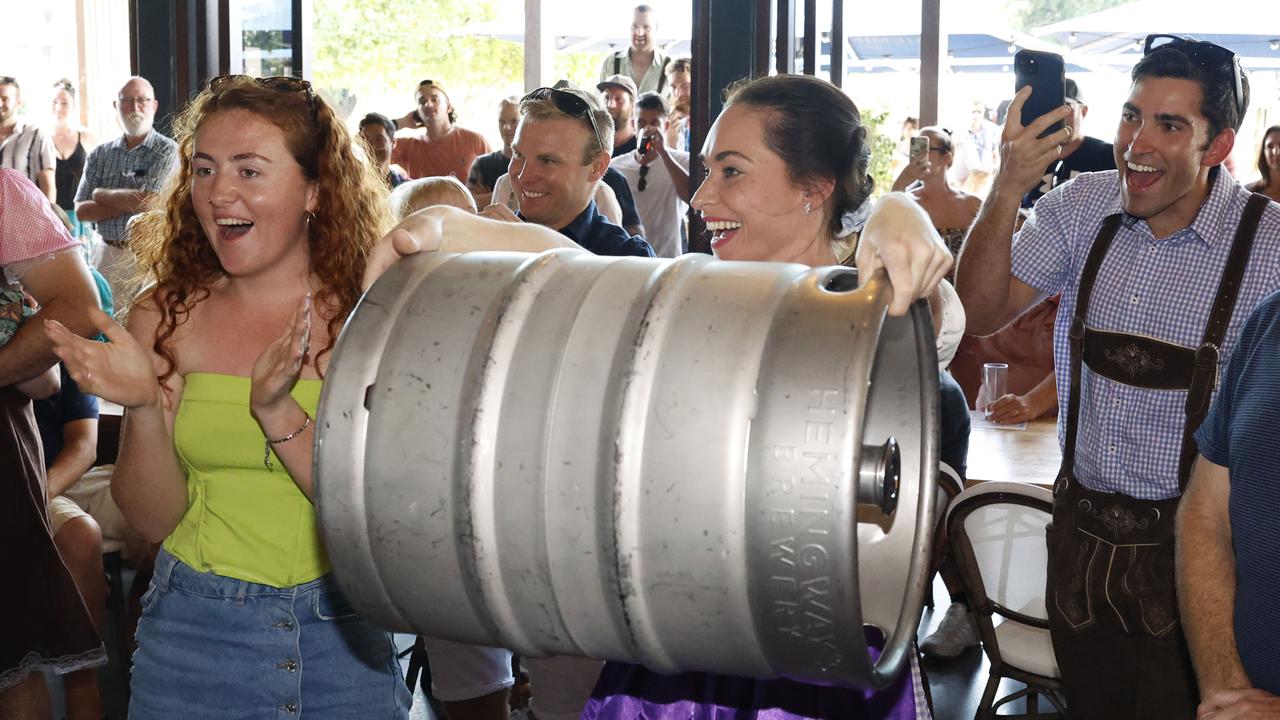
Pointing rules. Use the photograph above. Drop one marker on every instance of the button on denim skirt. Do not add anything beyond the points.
(210, 646)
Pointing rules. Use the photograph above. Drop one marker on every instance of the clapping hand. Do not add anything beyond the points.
(119, 371)
(279, 366)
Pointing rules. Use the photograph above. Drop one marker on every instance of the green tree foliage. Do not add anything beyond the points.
(376, 51)
(1030, 14)
(883, 139)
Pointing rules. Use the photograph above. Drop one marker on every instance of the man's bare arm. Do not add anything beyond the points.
(992, 296)
(44, 181)
(66, 293)
(1207, 578)
(79, 450)
(107, 204)
(679, 176)
(124, 202)
(93, 211)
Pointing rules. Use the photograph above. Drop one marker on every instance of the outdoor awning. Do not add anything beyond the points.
(1109, 35)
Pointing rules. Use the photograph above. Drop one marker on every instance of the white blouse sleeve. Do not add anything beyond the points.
(953, 320)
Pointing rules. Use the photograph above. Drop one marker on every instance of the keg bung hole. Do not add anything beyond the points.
(880, 476)
(368, 397)
(842, 282)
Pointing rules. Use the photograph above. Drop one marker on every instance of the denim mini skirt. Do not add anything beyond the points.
(210, 646)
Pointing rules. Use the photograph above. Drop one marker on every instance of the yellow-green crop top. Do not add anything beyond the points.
(243, 520)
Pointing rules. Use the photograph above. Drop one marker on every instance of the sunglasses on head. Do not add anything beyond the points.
(1206, 55)
(573, 105)
(279, 83)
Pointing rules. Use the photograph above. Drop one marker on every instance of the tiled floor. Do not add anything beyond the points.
(956, 684)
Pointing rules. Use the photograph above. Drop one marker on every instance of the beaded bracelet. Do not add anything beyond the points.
(266, 446)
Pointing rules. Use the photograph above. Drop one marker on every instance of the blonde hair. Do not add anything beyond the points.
(414, 195)
(545, 109)
(173, 251)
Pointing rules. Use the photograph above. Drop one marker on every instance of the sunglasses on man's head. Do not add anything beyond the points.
(1206, 55)
(570, 104)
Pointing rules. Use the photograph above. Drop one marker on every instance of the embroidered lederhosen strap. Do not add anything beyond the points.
(1205, 375)
(1149, 363)
(1076, 336)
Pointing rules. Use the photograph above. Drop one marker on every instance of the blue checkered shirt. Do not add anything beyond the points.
(113, 166)
(1129, 438)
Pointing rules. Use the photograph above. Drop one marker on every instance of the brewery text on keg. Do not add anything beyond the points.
(800, 527)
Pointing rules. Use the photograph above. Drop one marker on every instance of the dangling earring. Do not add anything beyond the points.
(310, 217)
(808, 204)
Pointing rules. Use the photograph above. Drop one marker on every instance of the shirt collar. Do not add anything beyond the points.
(1219, 215)
(148, 142)
(579, 226)
(1215, 220)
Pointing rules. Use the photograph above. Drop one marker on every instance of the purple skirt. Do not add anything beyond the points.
(635, 692)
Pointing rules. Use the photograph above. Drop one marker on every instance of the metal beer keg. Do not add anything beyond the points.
(691, 464)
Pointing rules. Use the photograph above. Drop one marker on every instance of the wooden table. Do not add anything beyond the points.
(1029, 455)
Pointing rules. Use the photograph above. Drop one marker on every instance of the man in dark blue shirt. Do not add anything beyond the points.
(1228, 570)
(559, 154)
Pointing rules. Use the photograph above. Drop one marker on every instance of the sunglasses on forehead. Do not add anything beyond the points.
(279, 83)
(1205, 54)
(573, 105)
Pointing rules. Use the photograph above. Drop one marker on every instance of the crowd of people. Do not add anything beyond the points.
(1130, 284)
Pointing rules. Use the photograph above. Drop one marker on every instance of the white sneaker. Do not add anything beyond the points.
(954, 635)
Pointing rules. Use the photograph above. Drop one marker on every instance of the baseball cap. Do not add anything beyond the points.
(622, 81)
(434, 85)
(1071, 91)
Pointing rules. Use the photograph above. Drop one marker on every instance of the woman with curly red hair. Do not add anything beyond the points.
(255, 259)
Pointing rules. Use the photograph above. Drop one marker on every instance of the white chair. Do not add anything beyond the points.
(996, 531)
(949, 486)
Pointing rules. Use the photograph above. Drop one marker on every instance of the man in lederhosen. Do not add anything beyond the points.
(1158, 264)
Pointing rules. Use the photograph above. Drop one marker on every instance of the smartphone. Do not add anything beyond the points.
(919, 148)
(1045, 73)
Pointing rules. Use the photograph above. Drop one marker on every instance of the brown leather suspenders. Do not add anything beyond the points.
(1148, 363)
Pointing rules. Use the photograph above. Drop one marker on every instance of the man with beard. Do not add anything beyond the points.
(439, 146)
(619, 95)
(24, 146)
(642, 62)
(659, 178)
(120, 176)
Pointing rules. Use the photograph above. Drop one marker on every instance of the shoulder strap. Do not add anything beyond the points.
(1097, 252)
(1204, 377)
(662, 76)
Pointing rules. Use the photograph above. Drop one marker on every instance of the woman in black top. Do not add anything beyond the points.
(72, 143)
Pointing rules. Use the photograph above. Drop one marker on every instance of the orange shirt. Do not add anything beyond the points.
(452, 154)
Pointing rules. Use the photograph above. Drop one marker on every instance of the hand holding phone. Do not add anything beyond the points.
(919, 149)
(1045, 73)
